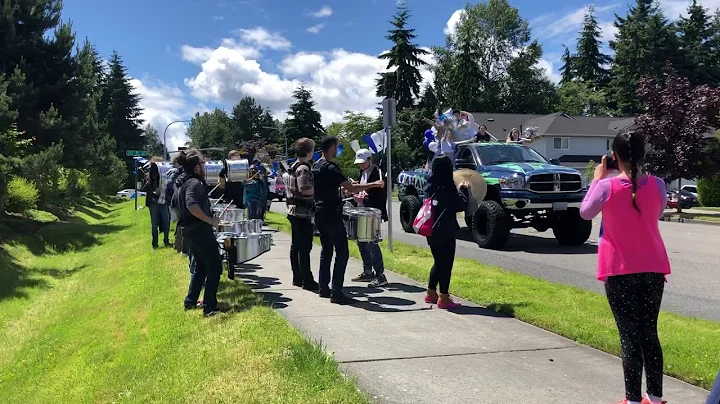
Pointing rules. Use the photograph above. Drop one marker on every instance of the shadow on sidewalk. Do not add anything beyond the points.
(258, 282)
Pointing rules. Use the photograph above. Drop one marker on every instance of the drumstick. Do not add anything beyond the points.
(218, 201)
(213, 190)
(226, 208)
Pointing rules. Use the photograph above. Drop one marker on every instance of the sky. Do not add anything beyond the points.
(188, 56)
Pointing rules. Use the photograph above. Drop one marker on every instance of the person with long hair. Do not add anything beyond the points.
(632, 260)
(155, 202)
(447, 200)
(191, 197)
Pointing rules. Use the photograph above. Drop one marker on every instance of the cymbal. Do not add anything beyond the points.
(477, 187)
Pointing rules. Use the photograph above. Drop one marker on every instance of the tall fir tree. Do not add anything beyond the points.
(524, 78)
(589, 61)
(567, 70)
(695, 34)
(303, 119)
(120, 108)
(405, 57)
(642, 45)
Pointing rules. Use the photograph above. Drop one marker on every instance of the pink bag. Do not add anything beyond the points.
(423, 224)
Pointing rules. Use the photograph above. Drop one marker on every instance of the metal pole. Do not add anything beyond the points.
(167, 153)
(389, 188)
(136, 181)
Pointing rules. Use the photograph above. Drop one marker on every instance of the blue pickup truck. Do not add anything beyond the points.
(524, 190)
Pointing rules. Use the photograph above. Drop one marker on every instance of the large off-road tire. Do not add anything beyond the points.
(409, 208)
(491, 225)
(571, 229)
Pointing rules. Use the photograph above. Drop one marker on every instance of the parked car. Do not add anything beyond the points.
(690, 188)
(684, 198)
(129, 193)
(280, 189)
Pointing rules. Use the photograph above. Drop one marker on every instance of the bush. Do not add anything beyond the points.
(44, 171)
(22, 195)
(709, 190)
(110, 177)
(74, 183)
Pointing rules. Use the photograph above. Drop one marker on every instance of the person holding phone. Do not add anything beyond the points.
(632, 260)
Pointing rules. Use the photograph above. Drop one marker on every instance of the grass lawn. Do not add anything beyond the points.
(691, 346)
(695, 216)
(89, 313)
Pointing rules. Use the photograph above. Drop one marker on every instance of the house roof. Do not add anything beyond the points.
(558, 123)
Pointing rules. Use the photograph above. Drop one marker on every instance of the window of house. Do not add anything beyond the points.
(561, 143)
(607, 144)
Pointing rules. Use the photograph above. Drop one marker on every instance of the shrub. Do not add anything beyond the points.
(709, 190)
(110, 178)
(74, 183)
(44, 171)
(21, 195)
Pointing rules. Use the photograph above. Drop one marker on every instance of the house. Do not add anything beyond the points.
(573, 140)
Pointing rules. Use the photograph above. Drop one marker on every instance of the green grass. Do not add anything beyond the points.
(89, 313)
(691, 346)
(695, 216)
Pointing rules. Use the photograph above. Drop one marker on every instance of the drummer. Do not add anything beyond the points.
(328, 180)
(233, 190)
(372, 198)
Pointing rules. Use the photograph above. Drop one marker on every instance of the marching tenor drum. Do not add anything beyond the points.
(362, 224)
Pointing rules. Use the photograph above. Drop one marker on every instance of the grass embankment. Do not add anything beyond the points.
(691, 346)
(89, 313)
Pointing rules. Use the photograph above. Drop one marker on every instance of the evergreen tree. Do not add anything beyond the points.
(695, 36)
(303, 119)
(589, 62)
(246, 116)
(212, 129)
(120, 109)
(527, 90)
(567, 70)
(578, 98)
(404, 57)
(643, 44)
(153, 145)
(429, 101)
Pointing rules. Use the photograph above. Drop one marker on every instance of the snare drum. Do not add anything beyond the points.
(363, 224)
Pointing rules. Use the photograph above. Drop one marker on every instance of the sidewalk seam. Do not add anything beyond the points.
(576, 346)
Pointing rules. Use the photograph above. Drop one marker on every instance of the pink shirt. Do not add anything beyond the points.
(630, 241)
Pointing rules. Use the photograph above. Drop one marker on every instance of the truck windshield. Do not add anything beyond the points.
(491, 154)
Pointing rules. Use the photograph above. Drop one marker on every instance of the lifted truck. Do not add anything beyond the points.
(523, 190)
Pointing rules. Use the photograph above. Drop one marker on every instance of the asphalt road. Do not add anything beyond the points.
(694, 251)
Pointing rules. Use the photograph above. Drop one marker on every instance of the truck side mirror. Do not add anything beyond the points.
(555, 162)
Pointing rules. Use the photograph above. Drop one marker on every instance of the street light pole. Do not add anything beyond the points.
(167, 154)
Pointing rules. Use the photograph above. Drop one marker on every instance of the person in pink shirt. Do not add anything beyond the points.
(632, 260)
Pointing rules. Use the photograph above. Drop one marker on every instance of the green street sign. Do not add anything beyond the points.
(136, 153)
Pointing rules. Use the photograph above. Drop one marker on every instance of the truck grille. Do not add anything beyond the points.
(550, 183)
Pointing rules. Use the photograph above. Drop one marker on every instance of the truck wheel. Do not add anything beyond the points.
(409, 208)
(571, 229)
(491, 225)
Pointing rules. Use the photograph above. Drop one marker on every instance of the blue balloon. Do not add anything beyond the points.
(340, 150)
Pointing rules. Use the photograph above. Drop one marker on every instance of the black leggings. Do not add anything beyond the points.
(443, 252)
(635, 302)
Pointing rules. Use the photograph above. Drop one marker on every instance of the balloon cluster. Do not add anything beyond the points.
(445, 124)
(531, 133)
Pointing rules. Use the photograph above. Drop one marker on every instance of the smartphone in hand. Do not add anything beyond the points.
(610, 163)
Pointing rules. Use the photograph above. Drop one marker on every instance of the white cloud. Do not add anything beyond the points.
(340, 80)
(549, 69)
(325, 11)
(263, 39)
(608, 31)
(315, 28)
(218, 18)
(453, 21)
(162, 104)
(552, 25)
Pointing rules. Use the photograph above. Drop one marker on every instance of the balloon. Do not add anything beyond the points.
(433, 147)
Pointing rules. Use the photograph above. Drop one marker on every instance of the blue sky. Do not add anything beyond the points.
(190, 55)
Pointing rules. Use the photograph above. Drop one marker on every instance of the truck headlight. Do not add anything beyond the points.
(514, 182)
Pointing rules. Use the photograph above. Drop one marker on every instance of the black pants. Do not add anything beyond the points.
(443, 252)
(208, 267)
(332, 237)
(302, 241)
(635, 302)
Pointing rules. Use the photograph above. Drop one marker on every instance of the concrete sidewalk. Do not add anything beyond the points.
(402, 350)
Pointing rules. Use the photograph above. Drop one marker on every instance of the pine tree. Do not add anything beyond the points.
(404, 57)
(527, 90)
(695, 37)
(303, 119)
(153, 145)
(120, 109)
(643, 44)
(429, 101)
(567, 69)
(589, 62)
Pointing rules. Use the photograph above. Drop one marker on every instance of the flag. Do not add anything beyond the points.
(355, 145)
(340, 149)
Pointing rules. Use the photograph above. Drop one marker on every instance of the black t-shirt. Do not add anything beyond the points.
(327, 177)
(234, 192)
(195, 194)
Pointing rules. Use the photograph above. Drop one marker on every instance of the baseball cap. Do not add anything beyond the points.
(362, 155)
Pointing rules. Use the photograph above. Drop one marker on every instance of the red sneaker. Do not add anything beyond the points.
(646, 400)
(431, 299)
(448, 304)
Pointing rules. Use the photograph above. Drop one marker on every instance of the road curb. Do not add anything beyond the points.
(691, 221)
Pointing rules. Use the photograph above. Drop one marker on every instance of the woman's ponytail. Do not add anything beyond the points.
(629, 147)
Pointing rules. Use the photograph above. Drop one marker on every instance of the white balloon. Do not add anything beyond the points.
(433, 147)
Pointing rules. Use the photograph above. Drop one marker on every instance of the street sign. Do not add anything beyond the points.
(389, 112)
(136, 153)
